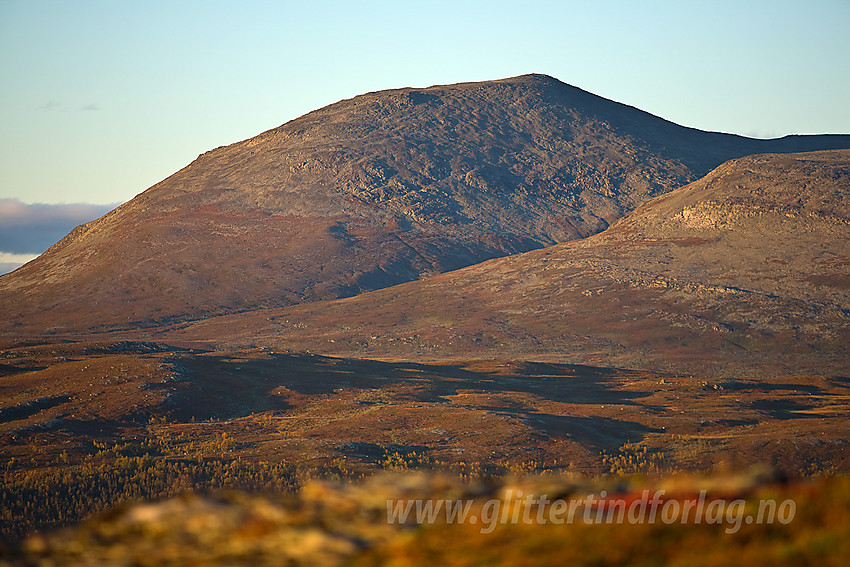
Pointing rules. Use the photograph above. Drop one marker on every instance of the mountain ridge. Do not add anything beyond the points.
(701, 279)
(366, 193)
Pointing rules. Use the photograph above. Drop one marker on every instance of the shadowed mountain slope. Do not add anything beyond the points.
(366, 193)
(745, 271)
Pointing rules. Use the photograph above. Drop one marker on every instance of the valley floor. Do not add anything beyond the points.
(86, 426)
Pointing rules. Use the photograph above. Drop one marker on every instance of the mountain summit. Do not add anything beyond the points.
(366, 193)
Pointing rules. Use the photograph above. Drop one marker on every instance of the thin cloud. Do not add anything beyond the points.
(56, 106)
(51, 106)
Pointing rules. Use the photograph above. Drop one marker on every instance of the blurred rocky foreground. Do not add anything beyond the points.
(347, 524)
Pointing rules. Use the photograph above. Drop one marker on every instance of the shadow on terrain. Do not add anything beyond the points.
(768, 387)
(29, 408)
(216, 386)
(592, 431)
(9, 370)
(785, 409)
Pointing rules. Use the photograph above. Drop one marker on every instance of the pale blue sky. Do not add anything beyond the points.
(101, 99)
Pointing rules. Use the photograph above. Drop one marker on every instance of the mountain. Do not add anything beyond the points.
(366, 193)
(745, 271)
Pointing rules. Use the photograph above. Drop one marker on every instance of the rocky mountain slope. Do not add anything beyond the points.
(366, 193)
(745, 271)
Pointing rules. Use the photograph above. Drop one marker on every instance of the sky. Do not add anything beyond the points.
(99, 100)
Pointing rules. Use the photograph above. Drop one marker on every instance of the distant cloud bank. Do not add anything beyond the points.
(27, 230)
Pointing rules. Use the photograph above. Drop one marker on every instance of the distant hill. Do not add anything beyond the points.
(366, 193)
(745, 271)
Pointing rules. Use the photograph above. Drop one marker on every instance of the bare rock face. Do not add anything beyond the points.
(363, 194)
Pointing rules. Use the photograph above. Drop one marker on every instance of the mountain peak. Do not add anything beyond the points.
(368, 192)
